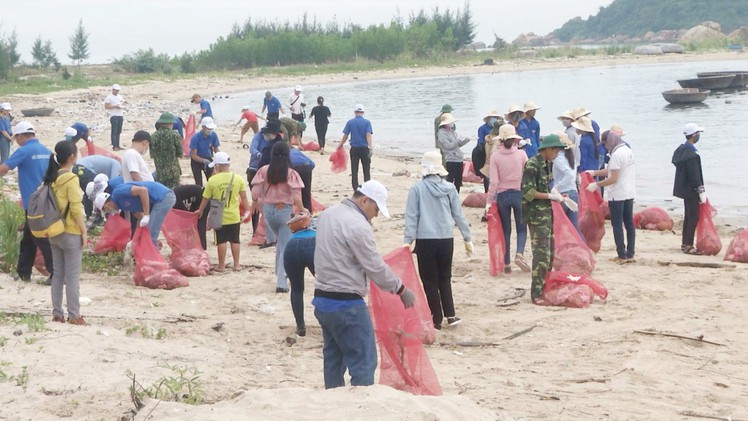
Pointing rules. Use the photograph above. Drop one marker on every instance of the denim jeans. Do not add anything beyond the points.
(276, 220)
(299, 255)
(4, 149)
(573, 216)
(622, 214)
(348, 343)
(158, 214)
(510, 201)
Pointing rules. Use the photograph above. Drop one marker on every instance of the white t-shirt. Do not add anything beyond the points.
(132, 161)
(622, 159)
(296, 106)
(115, 100)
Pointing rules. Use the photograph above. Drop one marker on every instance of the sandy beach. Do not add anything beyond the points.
(594, 363)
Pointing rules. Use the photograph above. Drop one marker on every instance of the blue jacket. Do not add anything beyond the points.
(432, 209)
(299, 158)
(255, 150)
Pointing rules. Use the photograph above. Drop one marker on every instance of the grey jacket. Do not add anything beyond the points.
(449, 143)
(346, 257)
(432, 209)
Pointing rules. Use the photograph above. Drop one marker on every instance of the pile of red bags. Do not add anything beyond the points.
(653, 219)
(591, 218)
(570, 253)
(737, 251)
(151, 269)
(468, 173)
(311, 146)
(475, 200)
(401, 333)
(189, 131)
(707, 238)
(568, 290)
(115, 235)
(187, 254)
(496, 244)
(339, 160)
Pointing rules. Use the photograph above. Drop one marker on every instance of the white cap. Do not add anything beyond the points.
(100, 200)
(692, 128)
(6, 106)
(220, 158)
(245, 107)
(23, 127)
(208, 122)
(297, 88)
(69, 131)
(377, 192)
(358, 108)
(93, 188)
(115, 87)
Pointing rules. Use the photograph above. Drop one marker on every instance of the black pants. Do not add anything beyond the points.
(454, 170)
(435, 268)
(690, 220)
(486, 184)
(360, 153)
(27, 253)
(255, 216)
(273, 116)
(305, 172)
(116, 129)
(197, 171)
(321, 133)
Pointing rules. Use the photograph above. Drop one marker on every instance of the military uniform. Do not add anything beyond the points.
(166, 149)
(538, 215)
(290, 128)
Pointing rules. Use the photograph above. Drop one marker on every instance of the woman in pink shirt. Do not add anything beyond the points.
(276, 188)
(507, 164)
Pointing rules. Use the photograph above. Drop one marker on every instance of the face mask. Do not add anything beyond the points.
(491, 121)
(452, 126)
(566, 122)
(696, 137)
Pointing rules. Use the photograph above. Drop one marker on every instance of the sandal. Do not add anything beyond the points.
(691, 250)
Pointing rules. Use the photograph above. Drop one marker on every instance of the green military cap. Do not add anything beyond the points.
(551, 141)
(446, 108)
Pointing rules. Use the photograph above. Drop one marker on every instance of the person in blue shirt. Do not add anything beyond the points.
(179, 125)
(480, 149)
(299, 255)
(205, 110)
(255, 154)
(591, 150)
(147, 200)
(360, 131)
(529, 128)
(5, 137)
(303, 165)
(273, 106)
(202, 147)
(100, 164)
(31, 159)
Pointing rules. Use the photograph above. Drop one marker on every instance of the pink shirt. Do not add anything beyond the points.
(507, 166)
(249, 116)
(283, 193)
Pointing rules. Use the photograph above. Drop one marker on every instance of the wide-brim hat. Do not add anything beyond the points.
(446, 108)
(580, 112)
(531, 106)
(446, 118)
(514, 108)
(565, 139)
(165, 118)
(584, 124)
(568, 115)
(618, 129)
(493, 113)
(551, 141)
(508, 131)
(431, 164)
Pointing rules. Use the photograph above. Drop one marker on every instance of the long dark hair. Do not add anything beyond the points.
(63, 150)
(596, 141)
(280, 161)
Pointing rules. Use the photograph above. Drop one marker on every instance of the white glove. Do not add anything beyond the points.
(572, 205)
(145, 220)
(488, 209)
(523, 143)
(702, 197)
(555, 196)
(592, 187)
(408, 245)
(469, 248)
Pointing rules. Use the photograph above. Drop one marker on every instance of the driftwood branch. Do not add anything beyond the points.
(694, 414)
(521, 332)
(704, 265)
(673, 335)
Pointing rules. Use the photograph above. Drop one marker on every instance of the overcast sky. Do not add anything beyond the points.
(118, 27)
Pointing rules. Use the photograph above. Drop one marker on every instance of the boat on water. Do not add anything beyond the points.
(708, 82)
(685, 95)
(740, 81)
(37, 112)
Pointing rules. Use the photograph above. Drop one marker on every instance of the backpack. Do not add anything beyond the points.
(43, 215)
(479, 159)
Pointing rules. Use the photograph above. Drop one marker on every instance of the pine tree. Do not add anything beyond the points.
(79, 44)
(12, 46)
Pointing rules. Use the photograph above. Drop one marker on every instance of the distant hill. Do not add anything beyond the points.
(636, 17)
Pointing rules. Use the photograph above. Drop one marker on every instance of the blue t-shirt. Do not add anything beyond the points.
(299, 158)
(204, 144)
(205, 105)
(273, 104)
(357, 128)
(587, 159)
(179, 126)
(5, 125)
(530, 130)
(123, 198)
(32, 160)
(483, 131)
(114, 183)
(101, 164)
(255, 150)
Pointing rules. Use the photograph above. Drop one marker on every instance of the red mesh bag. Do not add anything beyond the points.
(115, 235)
(475, 200)
(496, 245)
(653, 219)
(568, 290)
(151, 269)
(468, 173)
(707, 238)
(401, 332)
(737, 251)
(339, 160)
(92, 149)
(570, 253)
(39, 264)
(189, 131)
(591, 218)
(258, 238)
(187, 254)
(310, 146)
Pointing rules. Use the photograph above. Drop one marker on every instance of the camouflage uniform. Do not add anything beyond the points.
(290, 128)
(538, 215)
(166, 149)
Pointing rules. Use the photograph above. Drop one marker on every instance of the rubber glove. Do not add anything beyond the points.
(572, 205)
(407, 297)
(145, 220)
(522, 143)
(555, 196)
(469, 248)
(592, 187)
(702, 197)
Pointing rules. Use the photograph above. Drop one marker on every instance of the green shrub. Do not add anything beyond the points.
(11, 220)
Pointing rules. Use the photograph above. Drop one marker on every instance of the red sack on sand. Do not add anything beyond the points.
(653, 219)
(570, 253)
(39, 264)
(187, 254)
(401, 333)
(737, 251)
(591, 218)
(115, 235)
(496, 245)
(568, 290)
(151, 269)
(310, 146)
(475, 200)
(707, 238)
(92, 149)
(468, 173)
(258, 238)
(339, 160)
(189, 131)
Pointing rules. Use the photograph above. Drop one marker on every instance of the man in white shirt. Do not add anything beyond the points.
(296, 104)
(113, 104)
(134, 167)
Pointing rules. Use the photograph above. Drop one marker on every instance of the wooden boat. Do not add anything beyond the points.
(37, 112)
(741, 78)
(709, 82)
(685, 95)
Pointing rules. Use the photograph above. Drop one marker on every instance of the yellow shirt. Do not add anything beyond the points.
(69, 200)
(216, 189)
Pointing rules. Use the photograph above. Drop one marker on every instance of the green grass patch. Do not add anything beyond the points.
(11, 220)
(183, 385)
(109, 264)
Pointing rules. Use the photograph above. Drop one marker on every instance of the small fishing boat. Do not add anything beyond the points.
(685, 95)
(37, 112)
(709, 82)
(740, 81)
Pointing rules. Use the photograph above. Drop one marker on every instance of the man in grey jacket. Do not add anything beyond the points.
(345, 258)
(450, 144)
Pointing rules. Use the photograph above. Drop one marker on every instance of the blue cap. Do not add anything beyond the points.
(80, 128)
